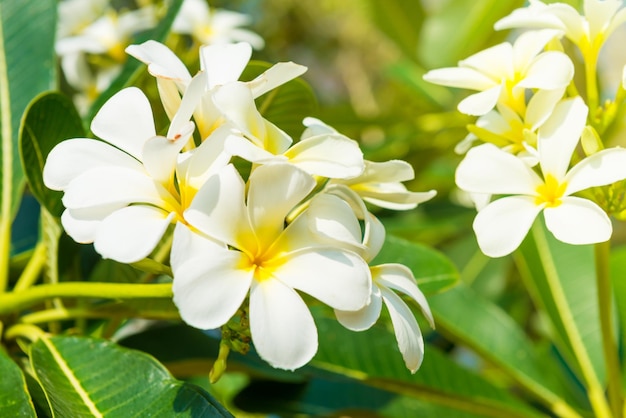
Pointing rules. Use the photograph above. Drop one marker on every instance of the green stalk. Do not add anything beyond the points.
(6, 142)
(115, 312)
(593, 98)
(31, 272)
(15, 301)
(609, 345)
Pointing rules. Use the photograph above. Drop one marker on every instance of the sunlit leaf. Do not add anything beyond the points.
(91, 377)
(27, 68)
(432, 270)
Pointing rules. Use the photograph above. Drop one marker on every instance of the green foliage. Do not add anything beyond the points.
(14, 398)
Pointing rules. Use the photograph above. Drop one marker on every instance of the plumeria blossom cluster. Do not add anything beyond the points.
(244, 247)
(531, 120)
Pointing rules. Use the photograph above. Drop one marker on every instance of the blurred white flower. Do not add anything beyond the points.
(214, 26)
(503, 73)
(122, 193)
(237, 245)
(501, 226)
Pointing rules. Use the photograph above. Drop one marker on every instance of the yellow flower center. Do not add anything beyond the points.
(550, 192)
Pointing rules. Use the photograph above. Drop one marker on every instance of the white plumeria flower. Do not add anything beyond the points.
(503, 72)
(589, 32)
(330, 155)
(219, 65)
(109, 34)
(501, 226)
(215, 26)
(242, 248)
(385, 279)
(123, 194)
(509, 130)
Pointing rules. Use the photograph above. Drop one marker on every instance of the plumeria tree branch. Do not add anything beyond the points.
(15, 301)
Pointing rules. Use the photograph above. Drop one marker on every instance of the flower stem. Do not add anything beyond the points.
(593, 98)
(14, 301)
(609, 346)
(31, 272)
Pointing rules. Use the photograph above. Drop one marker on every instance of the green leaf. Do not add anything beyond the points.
(91, 377)
(561, 280)
(371, 357)
(432, 270)
(618, 272)
(27, 68)
(49, 119)
(469, 319)
(285, 106)
(133, 68)
(14, 398)
(458, 29)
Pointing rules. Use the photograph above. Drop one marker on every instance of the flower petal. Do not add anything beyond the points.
(365, 317)
(161, 61)
(550, 70)
(332, 218)
(332, 156)
(501, 226)
(558, 136)
(400, 278)
(274, 190)
(160, 154)
(224, 63)
(481, 103)
(125, 120)
(496, 62)
(488, 169)
(408, 334)
(81, 226)
(131, 233)
(275, 76)
(461, 77)
(602, 168)
(578, 221)
(241, 147)
(540, 107)
(208, 290)
(104, 186)
(187, 245)
(282, 328)
(73, 157)
(340, 279)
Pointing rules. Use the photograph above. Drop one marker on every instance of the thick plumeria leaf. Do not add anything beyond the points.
(432, 270)
(285, 106)
(133, 68)
(469, 319)
(459, 29)
(27, 68)
(189, 352)
(561, 280)
(14, 398)
(92, 377)
(49, 119)
(372, 356)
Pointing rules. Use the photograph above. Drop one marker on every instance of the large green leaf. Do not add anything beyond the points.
(27, 68)
(469, 319)
(372, 356)
(14, 398)
(91, 377)
(432, 270)
(286, 105)
(49, 119)
(133, 68)
(561, 280)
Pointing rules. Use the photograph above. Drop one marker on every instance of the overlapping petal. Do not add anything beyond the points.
(131, 233)
(282, 328)
(501, 226)
(365, 317)
(602, 168)
(578, 221)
